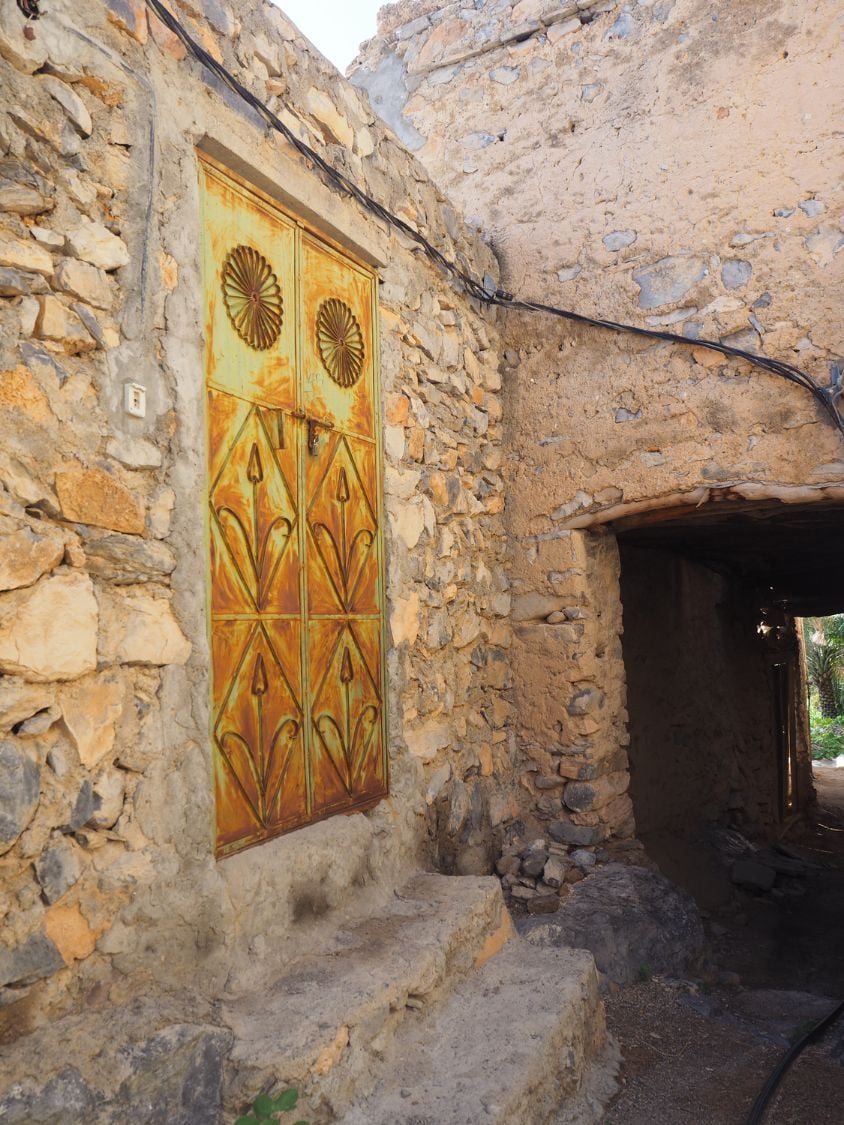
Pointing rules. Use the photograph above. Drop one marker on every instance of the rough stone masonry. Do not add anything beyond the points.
(108, 882)
(672, 165)
(574, 136)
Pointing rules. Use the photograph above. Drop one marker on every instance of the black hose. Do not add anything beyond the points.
(779, 1071)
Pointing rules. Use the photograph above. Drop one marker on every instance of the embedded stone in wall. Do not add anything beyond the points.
(618, 239)
(26, 554)
(134, 452)
(20, 700)
(735, 273)
(68, 929)
(22, 199)
(19, 791)
(57, 869)
(582, 795)
(94, 243)
(125, 560)
(534, 607)
(75, 109)
(408, 523)
(429, 740)
(20, 392)
(49, 631)
(95, 497)
(140, 629)
(586, 701)
(404, 619)
(579, 835)
(34, 959)
(334, 126)
(27, 256)
(667, 280)
(109, 789)
(84, 281)
(91, 708)
(61, 326)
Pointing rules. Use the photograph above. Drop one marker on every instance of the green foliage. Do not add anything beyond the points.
(265, 1108)
(645, 971)
(824, 643)
(827, 736)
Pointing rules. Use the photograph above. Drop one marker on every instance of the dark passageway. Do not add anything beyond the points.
(716, 689)
(726, 804)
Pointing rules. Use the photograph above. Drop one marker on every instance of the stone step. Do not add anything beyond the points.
(321, 1024)
(518, 1041)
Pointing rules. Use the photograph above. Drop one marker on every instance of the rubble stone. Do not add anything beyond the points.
(140, 629)
(71, 103)
(49, 631)
(627, 917)
(94, 496)
(95, 244)
(34, 959)
(28, 256)
(91, 707)
(57, 868)
(84, 281)
(19, 791)
(60, 324)
(26, 554)
(752, 875)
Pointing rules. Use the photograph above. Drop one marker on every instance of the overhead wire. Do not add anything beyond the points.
(826, 397)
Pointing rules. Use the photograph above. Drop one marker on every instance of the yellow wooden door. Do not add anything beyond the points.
(294, 516)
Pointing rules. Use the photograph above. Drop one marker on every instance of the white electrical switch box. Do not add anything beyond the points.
(135, 400)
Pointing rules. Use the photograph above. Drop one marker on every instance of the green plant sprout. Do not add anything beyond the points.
(265, 1108)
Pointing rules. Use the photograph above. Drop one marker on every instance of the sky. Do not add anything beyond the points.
(336, 27)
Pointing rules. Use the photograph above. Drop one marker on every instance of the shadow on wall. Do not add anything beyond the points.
(702, 731)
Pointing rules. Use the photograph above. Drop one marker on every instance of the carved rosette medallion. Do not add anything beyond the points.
(340, 342)
(252, 297)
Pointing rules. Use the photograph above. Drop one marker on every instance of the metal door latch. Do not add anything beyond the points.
(314, 426)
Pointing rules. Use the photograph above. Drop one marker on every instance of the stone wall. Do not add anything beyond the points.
(668, 164)
(108, 881)
(661, 163)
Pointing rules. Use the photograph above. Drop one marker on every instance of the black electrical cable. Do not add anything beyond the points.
(777, 1074)
(29, 8)
(825, 397)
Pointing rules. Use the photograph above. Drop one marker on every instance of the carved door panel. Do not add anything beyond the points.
(294, 526)
(343, 540)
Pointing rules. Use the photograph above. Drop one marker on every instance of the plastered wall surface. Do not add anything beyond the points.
(108, 885)
(672, 165)
(669, 164)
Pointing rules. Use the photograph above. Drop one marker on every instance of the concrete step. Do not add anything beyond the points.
(321, 1024)
(519, 1040)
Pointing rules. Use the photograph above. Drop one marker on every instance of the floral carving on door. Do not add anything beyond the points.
(294, 524)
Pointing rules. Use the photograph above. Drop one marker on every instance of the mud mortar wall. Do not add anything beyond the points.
(107, 876)
(666, 163)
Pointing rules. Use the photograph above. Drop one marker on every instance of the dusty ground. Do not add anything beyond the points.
(698, 1051)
